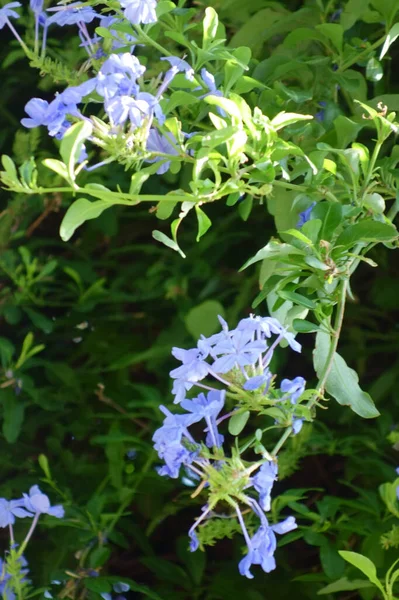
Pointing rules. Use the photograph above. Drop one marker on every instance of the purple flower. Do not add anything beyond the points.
(7, 13)
(194, 367)
(305, 215)
(239, 350)
(208, 408)
(294, 388)
(254, 383)
(72, 14)
(209, 81)
(140, 11)
(39, 503)
(162, 144)
(123, 63)
(181, 65)
(297, 425)
(262, 547)
(263, 482)
(36, 6)
(9, 509)
(194, 542)
(174, 455)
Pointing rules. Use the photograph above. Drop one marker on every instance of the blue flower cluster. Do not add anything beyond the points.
(30, 505)
(238, 359)
(126, 104)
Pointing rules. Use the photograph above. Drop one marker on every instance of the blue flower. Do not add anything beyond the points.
(39, 503)
(123, 63)
(7, 13)
(162, 144)
(305, 215)
(140, 11)
(208, 408)
(262, 547)
(194, 367)
(239, 350)
(174, 455)
(72, 14)
(181, 65)
(36, 6)
(263, 482)
(297, 425)
(194, 541)
(122, 108)
(254, 383)
(9, 509)
(294, 388)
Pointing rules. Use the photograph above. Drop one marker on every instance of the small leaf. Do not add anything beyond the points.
(238, 421)
(164, 239)
(391, 37)
(57, 166)
(204, 222)
(297, 299)
(13, 415)
(374, 70)
(283, 119)
(72, 144)
(210, 26)
(80, 211)
(43, 464)
(303, 326)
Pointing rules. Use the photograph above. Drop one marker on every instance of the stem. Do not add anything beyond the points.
(29, 534)
(12, 541)
(328, 364)
(354, 60)
(373, 159)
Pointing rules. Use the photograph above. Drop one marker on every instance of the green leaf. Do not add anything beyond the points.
(283, 119)
(364, 564)
(39, 320)
(226, 104)
(344, 585)
(375, 202)
(391, 37)
(334, 32)
(237, 422)
(303, 326)
(79, 212)
(374, 70)
(6, 351)
(72, 144)
(210, 27)
(332, 563)
(367, 231)
(43, 464)
(203, 318)
(297, 299)
(273, 250)
(245, 207)
(99, 556)
(13, 415)
(204, 222)
(57, 166)
(164, 7)
(10, 168)
(342, 382)
(164, 239)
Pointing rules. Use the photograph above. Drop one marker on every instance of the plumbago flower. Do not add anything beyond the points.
(135, 117)
(232, 370)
